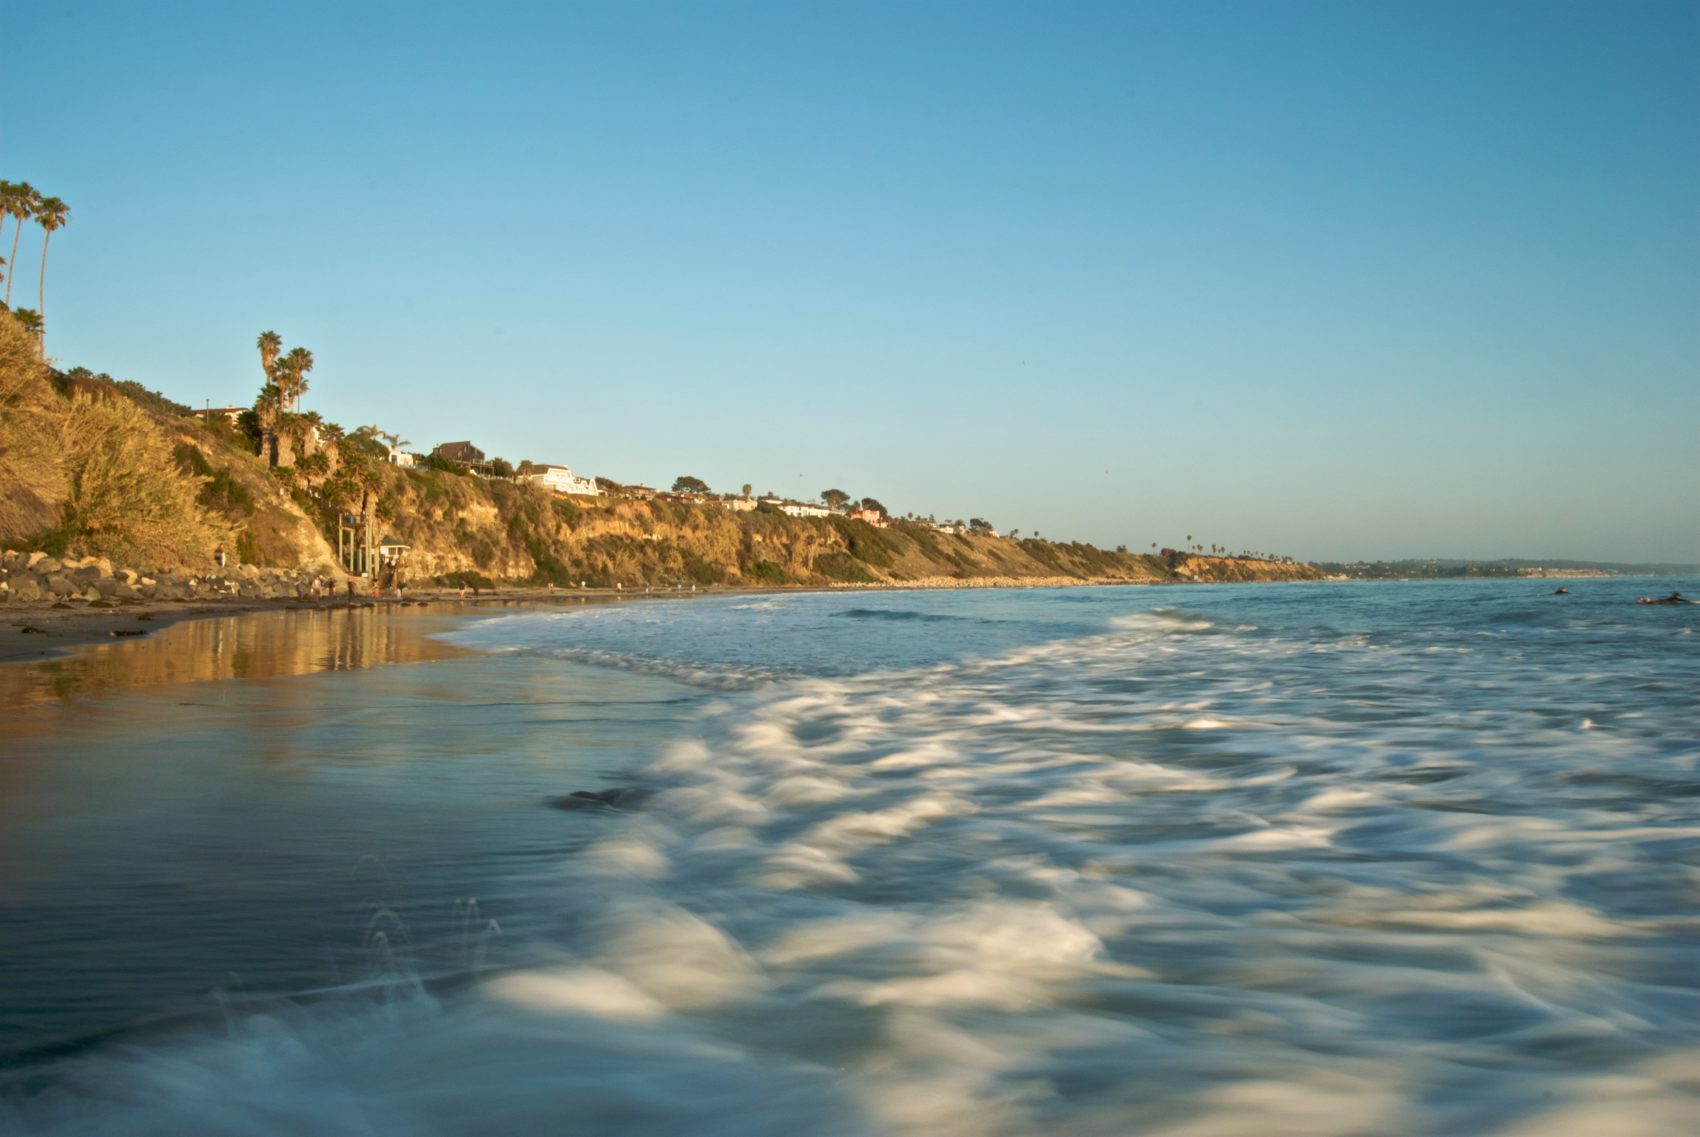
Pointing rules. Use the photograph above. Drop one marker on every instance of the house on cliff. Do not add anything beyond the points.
(464, 454)
(562, 480)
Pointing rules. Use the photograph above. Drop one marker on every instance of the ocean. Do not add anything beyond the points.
(1325, 859)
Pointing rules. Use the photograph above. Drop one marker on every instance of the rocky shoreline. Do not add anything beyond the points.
(31, 577)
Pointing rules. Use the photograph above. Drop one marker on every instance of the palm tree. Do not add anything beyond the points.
(50, 214)
(7, 189)
(18, 200)
(269, 343)
(297, 362)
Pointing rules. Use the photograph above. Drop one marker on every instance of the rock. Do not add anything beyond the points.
(116, 632)
(126, 592)
(58, 585)
(32, 631)
(26, 587)
(127, 576)
(107, 587)
(46, 565)
(35, 558)
(616, 798)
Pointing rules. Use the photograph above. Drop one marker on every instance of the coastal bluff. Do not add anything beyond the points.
(107, 481)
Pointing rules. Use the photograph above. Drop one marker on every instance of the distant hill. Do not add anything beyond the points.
(1448, 568)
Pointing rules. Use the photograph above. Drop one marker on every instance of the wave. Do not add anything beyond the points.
(1132, 881)
(904, 615)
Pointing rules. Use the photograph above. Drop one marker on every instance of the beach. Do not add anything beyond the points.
(1327, 860)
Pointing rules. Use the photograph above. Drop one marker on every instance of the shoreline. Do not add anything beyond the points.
(61, 628)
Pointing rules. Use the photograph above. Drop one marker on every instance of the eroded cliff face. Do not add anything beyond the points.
(1222, 570)
(503, 531)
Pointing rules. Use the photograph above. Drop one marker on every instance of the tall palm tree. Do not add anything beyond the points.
(50, 214)
(19, 201)
(7, 189)
(298, 361)
(269, 343)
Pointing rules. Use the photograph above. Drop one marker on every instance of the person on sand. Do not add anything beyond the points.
(218, 555)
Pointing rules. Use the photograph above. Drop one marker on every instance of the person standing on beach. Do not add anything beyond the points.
(218, 555)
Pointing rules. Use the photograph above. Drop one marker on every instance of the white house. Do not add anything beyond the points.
(798, 509)
(562, 480)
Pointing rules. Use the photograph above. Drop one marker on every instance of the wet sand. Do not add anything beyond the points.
(43, 630)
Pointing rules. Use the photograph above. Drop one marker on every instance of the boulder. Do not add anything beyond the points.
(60, 585)
(45, 565)
(26, 587)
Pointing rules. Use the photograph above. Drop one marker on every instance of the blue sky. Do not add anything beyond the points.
(1329, 279)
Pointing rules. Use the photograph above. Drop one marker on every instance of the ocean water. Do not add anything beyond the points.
(1352, 859)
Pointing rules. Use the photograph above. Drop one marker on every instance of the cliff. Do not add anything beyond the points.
(458, 525)
(90, 468)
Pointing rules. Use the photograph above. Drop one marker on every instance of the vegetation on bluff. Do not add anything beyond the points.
(98, 467)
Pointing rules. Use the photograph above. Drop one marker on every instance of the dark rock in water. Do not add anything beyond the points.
(30, 630)
(618, 798)
(116, 632)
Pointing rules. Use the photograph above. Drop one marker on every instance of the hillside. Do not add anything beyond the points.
(460, 524)
(94, 468)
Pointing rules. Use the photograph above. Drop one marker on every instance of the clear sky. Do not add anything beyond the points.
(1338, 280)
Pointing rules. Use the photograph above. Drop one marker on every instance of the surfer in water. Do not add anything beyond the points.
(1673, 598)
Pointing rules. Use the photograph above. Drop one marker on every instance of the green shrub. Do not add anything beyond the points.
(843, 567)
(438, 462)
(190, 459)
(225, 494)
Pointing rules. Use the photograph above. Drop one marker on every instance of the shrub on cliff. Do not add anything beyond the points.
(128, 499)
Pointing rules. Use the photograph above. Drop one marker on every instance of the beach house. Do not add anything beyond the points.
(562, 480)
(463, 453)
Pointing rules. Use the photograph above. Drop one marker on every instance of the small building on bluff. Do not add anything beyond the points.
(562, 480)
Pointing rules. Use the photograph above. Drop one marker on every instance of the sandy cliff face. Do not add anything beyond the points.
(457, 524)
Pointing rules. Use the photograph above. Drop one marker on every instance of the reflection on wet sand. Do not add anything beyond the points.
(256, 645)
